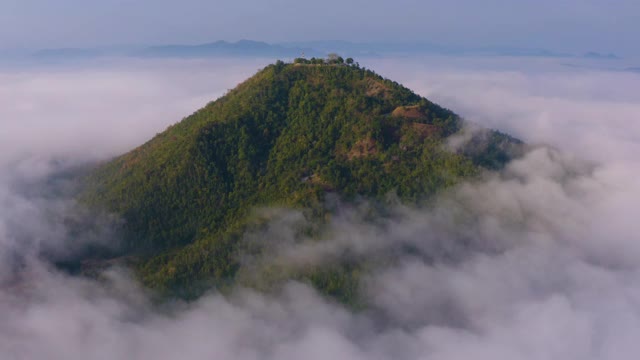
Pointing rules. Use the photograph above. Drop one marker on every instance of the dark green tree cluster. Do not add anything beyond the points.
(332, 59)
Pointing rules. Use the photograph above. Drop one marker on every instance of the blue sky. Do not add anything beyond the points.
(561, 25)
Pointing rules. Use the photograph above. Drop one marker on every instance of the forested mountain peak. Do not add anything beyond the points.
(286, 137)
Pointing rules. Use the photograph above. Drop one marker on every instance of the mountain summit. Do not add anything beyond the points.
(287, 137)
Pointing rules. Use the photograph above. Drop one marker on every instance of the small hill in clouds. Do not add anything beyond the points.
(295, 136)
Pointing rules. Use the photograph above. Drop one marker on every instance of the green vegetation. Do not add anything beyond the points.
(286, 137)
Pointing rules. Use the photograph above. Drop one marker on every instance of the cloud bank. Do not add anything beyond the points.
(541, 261)
(90, 112)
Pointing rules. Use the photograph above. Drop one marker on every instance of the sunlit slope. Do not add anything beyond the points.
(286, 137)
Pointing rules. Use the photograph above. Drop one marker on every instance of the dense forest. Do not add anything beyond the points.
(287, 137)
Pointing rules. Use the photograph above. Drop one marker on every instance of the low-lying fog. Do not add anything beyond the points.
(550, 268)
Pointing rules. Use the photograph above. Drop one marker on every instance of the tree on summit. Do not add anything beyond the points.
(334, 58)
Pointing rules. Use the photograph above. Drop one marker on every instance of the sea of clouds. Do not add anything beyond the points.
(540, 261)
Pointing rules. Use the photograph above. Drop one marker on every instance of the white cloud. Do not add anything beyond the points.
(96, 112)
(541, 261)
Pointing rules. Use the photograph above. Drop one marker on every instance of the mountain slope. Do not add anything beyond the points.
(286, 137)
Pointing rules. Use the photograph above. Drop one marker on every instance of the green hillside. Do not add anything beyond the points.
(286, 137)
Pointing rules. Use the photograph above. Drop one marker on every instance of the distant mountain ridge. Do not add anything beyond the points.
(224, 48)
(308, 48)
(73, 53)
(597, 55)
